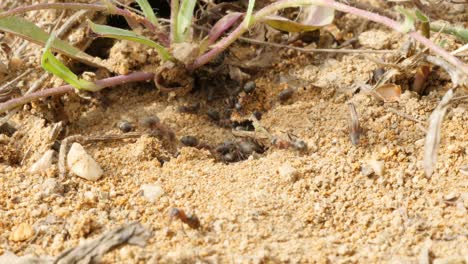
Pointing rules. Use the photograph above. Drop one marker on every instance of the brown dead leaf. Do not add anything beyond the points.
(388, 92)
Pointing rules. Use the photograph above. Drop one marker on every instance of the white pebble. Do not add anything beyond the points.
(82, 164)
(378, 166)
(151, 192)
(288, 172)
(51, 186)
(43, 163)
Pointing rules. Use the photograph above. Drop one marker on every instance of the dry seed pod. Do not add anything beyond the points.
(354, 127)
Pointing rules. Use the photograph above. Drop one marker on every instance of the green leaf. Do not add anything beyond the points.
(248, 16)
(51, 64)
(148, 11)
(184, 19)
(458, 31)
(408, 24)
(27, 30)
(118, 33)
(421, 16)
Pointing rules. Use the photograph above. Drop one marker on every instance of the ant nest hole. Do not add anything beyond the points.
(172, 77)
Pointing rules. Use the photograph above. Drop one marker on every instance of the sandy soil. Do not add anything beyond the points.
(284, 205)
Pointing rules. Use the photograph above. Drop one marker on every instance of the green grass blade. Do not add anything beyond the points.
(184, 19)
(248, 16)
(148, 11)
(408, 24)
(27, 30)
(118, 33)
(51, 64)
(458, 31)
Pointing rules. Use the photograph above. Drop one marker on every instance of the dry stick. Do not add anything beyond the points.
(393, 110)
(262, 13)
(33, 88)
(104, 83)
(462, 97)
(419, 123)
(313, 50)
(4, 88)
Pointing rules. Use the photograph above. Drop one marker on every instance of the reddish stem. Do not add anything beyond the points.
(225, 42)
(104, 83)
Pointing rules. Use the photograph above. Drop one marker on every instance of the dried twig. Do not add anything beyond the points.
(354, 127)
(92, 251)
(6, 88)
(419, 123)
(308, 50)
(431, 144)
(393, 110)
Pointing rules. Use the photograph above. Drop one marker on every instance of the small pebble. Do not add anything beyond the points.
(43, 163)
(22, 232)
(249, 87)
(125, 126)
(189, 141)
(82, 164)
(288, 172)
(451, 196)
(367, 171)
(151, 192)
(378, 166)
(300, 145)
(52, 186)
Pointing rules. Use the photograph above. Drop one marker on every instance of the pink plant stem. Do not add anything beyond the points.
(108, 82)
(222, 25)
(270, 9)
(397, 27)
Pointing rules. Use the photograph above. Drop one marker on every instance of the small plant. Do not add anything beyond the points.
(184, 54)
